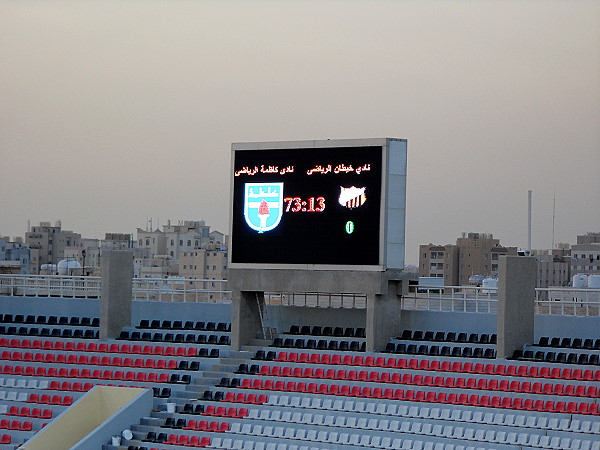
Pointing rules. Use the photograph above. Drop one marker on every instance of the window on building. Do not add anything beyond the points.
(189, 243)
(196, 243)
(172, 241)
(181, 242)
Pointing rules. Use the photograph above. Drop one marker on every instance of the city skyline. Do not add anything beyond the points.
(114, 112)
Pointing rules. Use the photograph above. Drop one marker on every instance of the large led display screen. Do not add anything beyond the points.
(307, 206)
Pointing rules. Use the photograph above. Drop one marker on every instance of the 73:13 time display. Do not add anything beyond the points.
(311, 204)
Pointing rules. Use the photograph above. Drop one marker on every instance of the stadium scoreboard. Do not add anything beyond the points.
(334, 204)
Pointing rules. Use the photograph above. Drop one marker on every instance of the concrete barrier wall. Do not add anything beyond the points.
(93, 419)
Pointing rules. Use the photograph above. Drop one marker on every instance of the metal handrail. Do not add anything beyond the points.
(563, 301)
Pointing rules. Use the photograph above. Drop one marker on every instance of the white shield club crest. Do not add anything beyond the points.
(263, 205)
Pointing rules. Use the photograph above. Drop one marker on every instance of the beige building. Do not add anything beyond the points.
(50, 243)
(479, 255)
(585, 255)
(208, 263)
(552, 268)
(439, 261)
(188, 249)
(473, 254)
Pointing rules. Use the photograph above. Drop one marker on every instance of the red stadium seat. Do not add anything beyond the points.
(390, 363)
(467, 367)
(555, 373)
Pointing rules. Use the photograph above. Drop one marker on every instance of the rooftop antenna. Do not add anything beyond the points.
(553, 218)
(529, 221)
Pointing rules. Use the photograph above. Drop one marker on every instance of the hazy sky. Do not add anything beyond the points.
(112, 112)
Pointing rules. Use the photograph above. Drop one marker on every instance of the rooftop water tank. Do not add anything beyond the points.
(66, 266)
(593, 281)
(489, 285)
(580, 280)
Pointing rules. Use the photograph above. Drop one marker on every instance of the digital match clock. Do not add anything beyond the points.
(318, 204)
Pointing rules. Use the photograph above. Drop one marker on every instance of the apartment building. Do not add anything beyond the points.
(50, 242)
(473, 254)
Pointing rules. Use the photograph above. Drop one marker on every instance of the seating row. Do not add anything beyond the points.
(180, 325)
(321, 344)
(434, 365)
(307, 330)
(566, 342)
(561, 357)
(26, 411)
(345, 390)
(109, 348)
(238, 397)
(47, 399)
(440, 336)
(417, 428)
(163, 438)
(77, 333)
(385, 442)
(205, 425)
(115, 361)
(16, 425)
(146, 377)
(436, 350)
(210, 410)
(50, 320)
(30, 383)
(493, 384)
(373, 408)
(190, 338)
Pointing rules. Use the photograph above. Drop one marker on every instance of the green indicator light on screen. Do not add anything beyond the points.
(349, 227)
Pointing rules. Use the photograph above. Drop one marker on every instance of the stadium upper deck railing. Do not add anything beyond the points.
(148, 289)
(555, 301)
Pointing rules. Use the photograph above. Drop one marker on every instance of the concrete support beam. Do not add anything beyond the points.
(383, 290)
(516, 301)
(383, 318)
(245, 316)
(116, 293)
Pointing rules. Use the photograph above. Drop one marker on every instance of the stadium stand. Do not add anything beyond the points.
(303, 396)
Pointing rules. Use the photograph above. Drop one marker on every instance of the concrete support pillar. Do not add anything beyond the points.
(116, 294)
(382, 318)
(516, 301)
(245, 317)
